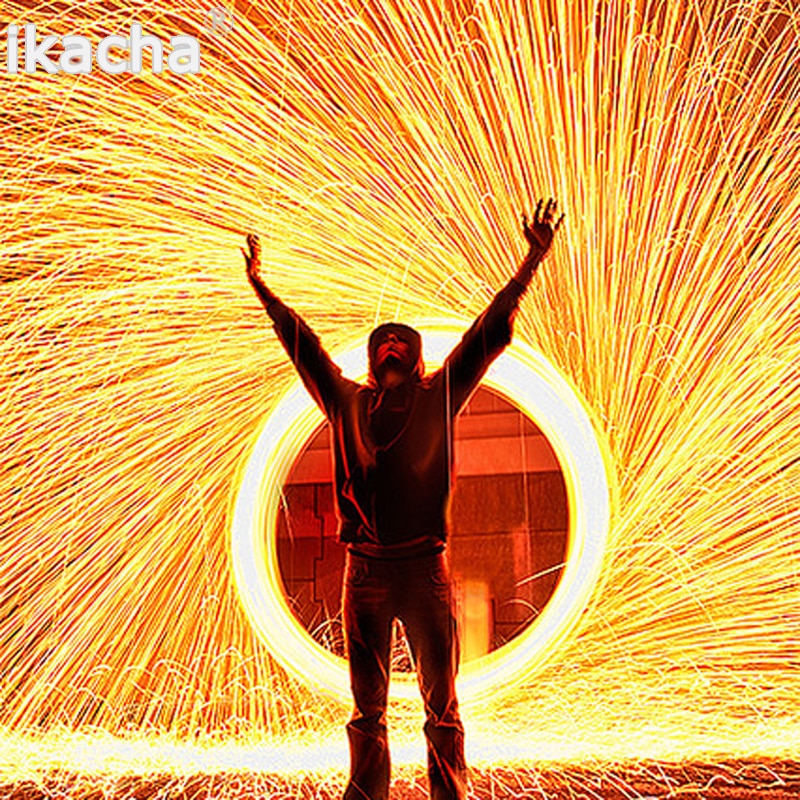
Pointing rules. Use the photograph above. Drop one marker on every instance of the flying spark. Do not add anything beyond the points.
(384, 152)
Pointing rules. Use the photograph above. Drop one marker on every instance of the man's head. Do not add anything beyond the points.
(395, 354)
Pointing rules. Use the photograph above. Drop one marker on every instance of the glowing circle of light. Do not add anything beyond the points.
(535, 386)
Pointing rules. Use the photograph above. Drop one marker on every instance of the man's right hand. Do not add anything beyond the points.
(252, 258)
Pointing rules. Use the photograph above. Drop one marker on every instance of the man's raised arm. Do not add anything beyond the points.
(491, 332)
(321, 376)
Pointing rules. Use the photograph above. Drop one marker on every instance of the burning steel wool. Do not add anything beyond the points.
(385, 152)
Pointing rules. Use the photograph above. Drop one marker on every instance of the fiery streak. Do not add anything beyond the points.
(385, 151)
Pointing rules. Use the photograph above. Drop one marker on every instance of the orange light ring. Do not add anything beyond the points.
(531, 383)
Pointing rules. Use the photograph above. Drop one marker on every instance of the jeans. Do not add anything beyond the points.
(418, 591)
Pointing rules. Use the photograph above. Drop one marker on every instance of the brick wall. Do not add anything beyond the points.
(509, 514)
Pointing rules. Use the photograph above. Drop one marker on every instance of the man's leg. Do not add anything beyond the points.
(367, 626)
(430, 626)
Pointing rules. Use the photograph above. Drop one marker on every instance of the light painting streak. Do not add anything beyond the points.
(384, 151)
(533, 385)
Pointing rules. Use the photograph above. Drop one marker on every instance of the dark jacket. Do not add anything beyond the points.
(393, 450)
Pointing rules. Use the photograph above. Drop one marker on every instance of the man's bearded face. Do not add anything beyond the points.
(395, 354)
(394, 357)
(394, 349)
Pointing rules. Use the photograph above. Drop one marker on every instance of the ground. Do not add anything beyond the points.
(773, 780)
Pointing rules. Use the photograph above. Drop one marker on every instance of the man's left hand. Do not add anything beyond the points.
(540, 232)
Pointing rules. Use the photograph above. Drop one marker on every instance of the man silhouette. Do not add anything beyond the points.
(393, 455)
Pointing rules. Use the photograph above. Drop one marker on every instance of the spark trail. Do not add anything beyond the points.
(385, 152)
